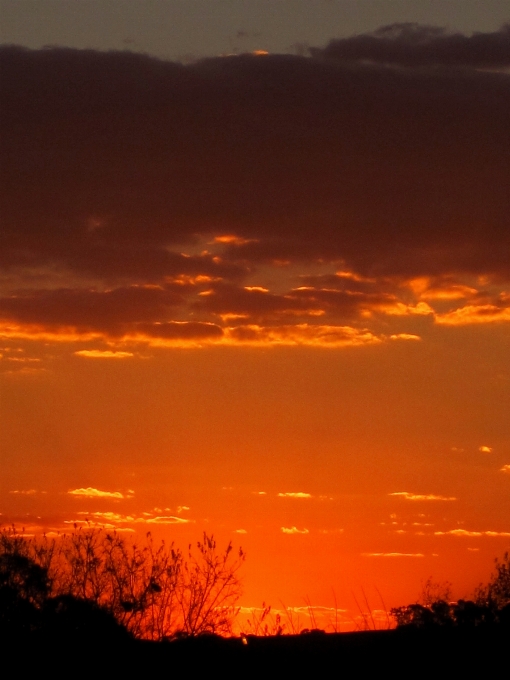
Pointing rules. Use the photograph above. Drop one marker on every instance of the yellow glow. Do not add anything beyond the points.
(90, 492)
(186, 280)
(421, 497)
(401, 309)
(300, 334)
(404, 336)
(342, 274)
(233, 239)
(232, 317)
(452, 292)
(103, 354)
(38, 332)
(419, 284)
(474, 314)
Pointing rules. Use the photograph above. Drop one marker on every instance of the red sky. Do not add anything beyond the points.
(265, 297)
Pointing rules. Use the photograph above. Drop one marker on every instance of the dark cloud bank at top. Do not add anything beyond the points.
(112, 161)
(414, 45)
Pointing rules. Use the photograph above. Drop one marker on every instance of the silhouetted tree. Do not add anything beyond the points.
(495, 596)
(73, 620)
(24, 587)
(491, 604)
(151, 591)
(28, 609)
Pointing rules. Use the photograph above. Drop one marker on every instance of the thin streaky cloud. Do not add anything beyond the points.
(304, 334)
(87, 524)
(466, 533)
(28, 492)
(110, 516)
(102, 354)
(165, 520)
(474, 314)
(295, 494)
(421, 497)
(294, 530)
(90, 492)
(147, 518)
(392, 554)
(506, 468)
(404, 336)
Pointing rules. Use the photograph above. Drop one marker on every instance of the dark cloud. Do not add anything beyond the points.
(254, 302)
(255, 305)
(409, 44)
(89, 310)
(178, 331)
(123, 169)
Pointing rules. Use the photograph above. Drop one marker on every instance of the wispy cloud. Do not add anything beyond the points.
(103, 354)
(473, 314)
(28, 492)
(294, 530)
(506, 468)
(164, 520)
(421, 497)
(114, 518)
(109, 516)
(404, 336)
(240, 531)
(233, 239)
(90, 492)
(466, 533)
(310, 335)
(87, 524)
(392, 554)
(295, 494)
(485, 449)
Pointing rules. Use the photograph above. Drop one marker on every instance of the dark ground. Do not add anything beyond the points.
(453, 653)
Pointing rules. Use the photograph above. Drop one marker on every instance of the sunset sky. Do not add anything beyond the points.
(264, 295)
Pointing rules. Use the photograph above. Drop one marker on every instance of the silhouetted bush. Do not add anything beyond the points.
(72, 620)
(92, 580)
(491, 605)
(496, 594)
(24, 587)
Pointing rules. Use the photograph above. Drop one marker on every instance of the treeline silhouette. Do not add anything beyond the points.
(489, 606)
(97, 590)
(97, 584)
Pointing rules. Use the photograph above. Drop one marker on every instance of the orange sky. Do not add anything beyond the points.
(267, 298)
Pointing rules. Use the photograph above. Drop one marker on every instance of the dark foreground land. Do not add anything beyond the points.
(409, 653)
